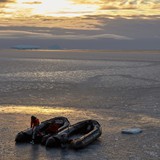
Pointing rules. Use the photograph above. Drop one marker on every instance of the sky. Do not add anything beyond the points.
(81, 24)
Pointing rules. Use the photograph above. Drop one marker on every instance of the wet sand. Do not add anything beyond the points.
(120, 90)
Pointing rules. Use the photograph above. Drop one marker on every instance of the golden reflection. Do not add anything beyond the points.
(34, 110)
(49, 111)
(146, 120)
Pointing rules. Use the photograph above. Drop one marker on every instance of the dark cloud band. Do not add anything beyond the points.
(6, 1)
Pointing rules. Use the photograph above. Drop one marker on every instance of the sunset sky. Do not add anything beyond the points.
(81, 24)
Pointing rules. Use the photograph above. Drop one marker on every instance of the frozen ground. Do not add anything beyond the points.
(118, 89)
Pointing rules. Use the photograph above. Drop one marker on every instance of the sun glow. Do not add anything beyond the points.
(77, 8)
(79, 14)
(60, 8)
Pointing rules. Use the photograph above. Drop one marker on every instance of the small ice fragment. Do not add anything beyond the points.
(132, 131)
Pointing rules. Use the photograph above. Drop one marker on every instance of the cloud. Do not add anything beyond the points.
(91, 37)
(130, 27)
(34, 2)
(112, 36)
(121, 4)
(134, 4)
(77, 23)
(14, 34)
(87, 1)
(124, 8)
(22, 34)
(120, 32)
(5, 1)
(29, 10)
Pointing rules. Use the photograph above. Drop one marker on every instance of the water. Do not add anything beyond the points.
(119, 89)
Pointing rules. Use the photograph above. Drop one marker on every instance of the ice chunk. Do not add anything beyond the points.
(132, 131)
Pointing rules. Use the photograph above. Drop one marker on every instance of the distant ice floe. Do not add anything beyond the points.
(55, 47)
(25, 47)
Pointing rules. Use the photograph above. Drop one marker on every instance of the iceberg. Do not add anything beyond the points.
(26, 47)
(132, 131)
(56, 47)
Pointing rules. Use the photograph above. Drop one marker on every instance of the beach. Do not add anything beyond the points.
(119, 89)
